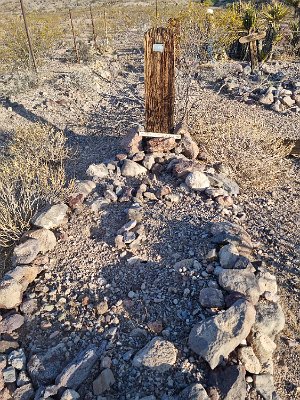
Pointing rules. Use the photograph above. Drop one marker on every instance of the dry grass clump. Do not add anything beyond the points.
(254, 153)
(45, 31)
(31, 174)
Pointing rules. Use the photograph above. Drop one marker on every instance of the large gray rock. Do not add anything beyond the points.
(104, 381)
(79, 369)
(264, 384)
(221, 180)
(45, 238)
(216, 337)
(211, 297)
(51, 217)
(228, 256)
(197, 181)
(241, 281)
(15, 282)
(158, 354)
(26, 252)
(97, 170)
(84, 187)
(44, 368)
(193, 392)
(230, 382)
(227, 232)
(132, 169)
(269, 319)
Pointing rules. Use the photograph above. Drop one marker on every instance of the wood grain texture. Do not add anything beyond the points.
(159, 81)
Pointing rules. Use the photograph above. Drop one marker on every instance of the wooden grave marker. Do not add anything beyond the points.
(251, 39)
(159, 80)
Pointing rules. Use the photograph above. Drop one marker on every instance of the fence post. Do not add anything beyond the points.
(105, 27)
(93, 26)
(28, 37)
(74, 37)
(159, 80)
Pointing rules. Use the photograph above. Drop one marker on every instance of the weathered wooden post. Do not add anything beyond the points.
(159, 80)
(28, 37)
(252, 39)
(175, 25)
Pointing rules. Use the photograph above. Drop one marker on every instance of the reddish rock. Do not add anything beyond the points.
(121, 156)
(160, 145)
(75, 200)
(190, 148)
(7, 346)
(183, 167)
(132, 142)
(225, 201)
(11, 323)
(155, 326)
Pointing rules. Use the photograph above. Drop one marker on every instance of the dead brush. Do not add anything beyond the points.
(254, 153)
(31, 174)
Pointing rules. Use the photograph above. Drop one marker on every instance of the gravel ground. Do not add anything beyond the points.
(95, 106)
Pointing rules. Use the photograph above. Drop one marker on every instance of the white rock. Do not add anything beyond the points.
(70, 394)
(288, 101)
(216, 337)
(17, 359)
(97, 170)
(45, 237)
(242, 281)
(132, 169)
(51, 217)
(197, 181)
(248, 358)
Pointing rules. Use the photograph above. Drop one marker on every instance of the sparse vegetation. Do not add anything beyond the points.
(31, 174)
(254, 153)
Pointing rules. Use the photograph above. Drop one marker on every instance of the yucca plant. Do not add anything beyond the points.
(249, 17)
(273, 14)
(295, 41)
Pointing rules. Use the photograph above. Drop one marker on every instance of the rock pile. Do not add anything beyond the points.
(280, 95)
(236, 340)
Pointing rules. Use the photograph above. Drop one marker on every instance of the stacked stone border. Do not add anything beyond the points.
(237, 342)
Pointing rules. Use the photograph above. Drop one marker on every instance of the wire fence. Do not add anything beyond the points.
(77, 24)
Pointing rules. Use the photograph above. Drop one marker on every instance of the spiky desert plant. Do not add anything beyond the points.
(273, 14)
(249, 17)
(31, 173)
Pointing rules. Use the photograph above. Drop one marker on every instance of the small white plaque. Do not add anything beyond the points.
(158, 47)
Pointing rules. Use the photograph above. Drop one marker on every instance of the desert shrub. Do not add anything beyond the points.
(14, 50)
(31, 174)
(254, 153)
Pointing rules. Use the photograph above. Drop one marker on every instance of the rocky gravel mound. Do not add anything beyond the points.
(146, 285)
